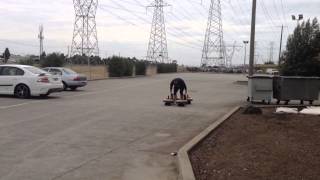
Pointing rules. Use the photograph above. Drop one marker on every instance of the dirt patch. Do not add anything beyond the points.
(266, 146)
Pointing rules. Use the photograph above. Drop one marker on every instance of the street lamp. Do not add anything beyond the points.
(245, 53)
(299, 18)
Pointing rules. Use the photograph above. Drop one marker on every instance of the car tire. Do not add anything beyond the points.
(65, 87)
(22, 91)
(73, 88)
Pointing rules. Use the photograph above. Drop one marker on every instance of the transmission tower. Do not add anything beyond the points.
(213, 49)
(157, 48)
(271, 51)
(41, 38)
(229, 53)
(85, 39)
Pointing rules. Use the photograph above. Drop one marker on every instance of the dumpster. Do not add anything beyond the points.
(260, 88)
(287, 88)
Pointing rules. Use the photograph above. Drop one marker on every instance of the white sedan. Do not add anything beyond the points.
(25, 81)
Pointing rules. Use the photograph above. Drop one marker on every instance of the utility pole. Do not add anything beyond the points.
(252, 39)
(157, 48)
(213, 52)
(41, 38)
(280, 45)
(245, 53)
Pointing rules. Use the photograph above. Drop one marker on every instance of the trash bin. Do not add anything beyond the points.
(287, 88)
(260, 88)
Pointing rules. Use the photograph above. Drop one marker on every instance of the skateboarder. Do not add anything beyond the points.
(178, 84)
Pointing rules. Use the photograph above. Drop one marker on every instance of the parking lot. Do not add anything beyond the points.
(111, 129)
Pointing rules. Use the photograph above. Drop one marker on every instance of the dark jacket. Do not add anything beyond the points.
(178, 83)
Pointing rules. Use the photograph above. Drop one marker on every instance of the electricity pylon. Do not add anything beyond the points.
(213, 52)
(229, 53)
(41, 38)
(157, 48)
(271, 51)
(85, 39)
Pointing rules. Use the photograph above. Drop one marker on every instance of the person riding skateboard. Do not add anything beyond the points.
(178, 84)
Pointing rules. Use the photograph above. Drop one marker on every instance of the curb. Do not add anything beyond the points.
(184, 163)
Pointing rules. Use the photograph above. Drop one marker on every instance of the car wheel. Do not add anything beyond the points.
(22, 91)
(73, 88)
(65, 87)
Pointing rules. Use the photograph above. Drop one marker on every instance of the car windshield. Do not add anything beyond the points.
(35, 70)
(68, 71)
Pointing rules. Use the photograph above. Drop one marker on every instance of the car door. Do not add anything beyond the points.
(9, 77)
(2, 83)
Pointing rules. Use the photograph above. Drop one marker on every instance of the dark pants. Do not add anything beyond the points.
(176, 89)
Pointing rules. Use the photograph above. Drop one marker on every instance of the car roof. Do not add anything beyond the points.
(16, 65)
(54, 67)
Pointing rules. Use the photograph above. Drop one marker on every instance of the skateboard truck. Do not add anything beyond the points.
(186, 99)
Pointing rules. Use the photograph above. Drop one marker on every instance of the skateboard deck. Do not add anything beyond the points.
(180, 102)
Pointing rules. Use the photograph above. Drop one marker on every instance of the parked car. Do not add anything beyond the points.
(70, 78)
(25, 81)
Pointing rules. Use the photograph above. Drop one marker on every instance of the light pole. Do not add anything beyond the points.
(280, 45)
(252, 38)
(299, 18)
(245, 53)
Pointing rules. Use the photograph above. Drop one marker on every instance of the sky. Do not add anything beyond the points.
(123, 26)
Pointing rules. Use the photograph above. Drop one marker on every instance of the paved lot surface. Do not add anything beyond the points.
(110, 130)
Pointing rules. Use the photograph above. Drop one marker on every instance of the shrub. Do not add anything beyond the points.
(141, 67)
(53, 60)
(27, 61)
(120, 66)
(167, 68)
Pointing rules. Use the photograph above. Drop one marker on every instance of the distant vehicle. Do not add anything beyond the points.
(24, 81)
(272, 71)
(70, 78)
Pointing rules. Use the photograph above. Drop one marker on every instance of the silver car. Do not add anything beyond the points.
(70, 78)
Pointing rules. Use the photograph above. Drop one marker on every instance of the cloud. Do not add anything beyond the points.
(123, 25)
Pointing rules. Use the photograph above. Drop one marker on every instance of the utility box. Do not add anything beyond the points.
(260, 88)
(287, 88)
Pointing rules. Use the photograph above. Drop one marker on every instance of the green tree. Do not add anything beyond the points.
(53, 60)
(6, 55)
(301, 57)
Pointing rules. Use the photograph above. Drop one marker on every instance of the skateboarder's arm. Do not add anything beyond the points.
(185, 86)
(171, 86)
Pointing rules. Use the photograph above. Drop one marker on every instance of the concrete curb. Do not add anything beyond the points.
(184, 163)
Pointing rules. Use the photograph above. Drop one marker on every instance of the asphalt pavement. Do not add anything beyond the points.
(112, 129)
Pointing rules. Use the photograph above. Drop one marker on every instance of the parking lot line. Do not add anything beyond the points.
(16, 105)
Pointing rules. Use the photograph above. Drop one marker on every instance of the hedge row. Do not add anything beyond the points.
(167, 68)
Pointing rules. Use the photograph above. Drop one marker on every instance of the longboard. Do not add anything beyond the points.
(180, 102)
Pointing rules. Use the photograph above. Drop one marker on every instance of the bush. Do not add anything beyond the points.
(193, 69)
(167, 68)
(83, 60)
(27, 61)
(141, 67)
(53, 60)
(120, 66)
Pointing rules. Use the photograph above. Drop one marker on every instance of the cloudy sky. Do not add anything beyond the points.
(124, 25)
